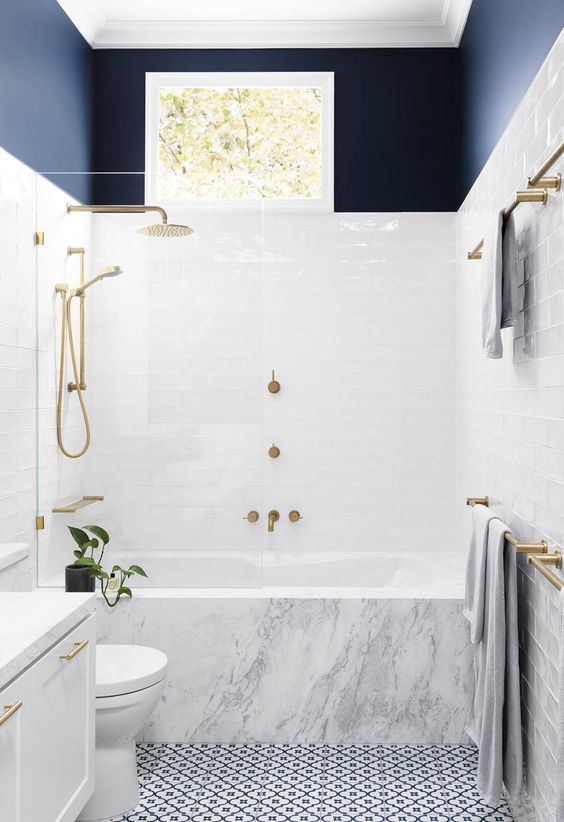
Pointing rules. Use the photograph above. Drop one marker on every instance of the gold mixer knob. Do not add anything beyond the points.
(294, 516)
(252, 516)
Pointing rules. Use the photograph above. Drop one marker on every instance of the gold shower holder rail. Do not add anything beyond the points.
(537, 192)
(72, 507)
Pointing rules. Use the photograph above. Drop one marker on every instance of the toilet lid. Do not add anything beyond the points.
(123, 669)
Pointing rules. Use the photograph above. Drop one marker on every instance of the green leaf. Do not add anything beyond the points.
(79, 554)
(80, 537)
(99, 532)
(87, 561)
(138, 570)
(125, 591)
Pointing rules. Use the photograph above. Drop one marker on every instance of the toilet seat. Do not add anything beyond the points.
(124, 669)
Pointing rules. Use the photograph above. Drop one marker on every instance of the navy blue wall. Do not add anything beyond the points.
(395, 118)
(504, 44)
(45, 88)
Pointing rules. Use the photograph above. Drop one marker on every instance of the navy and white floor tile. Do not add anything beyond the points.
(309, 783)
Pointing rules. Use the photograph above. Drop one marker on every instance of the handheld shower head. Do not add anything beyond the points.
(110, 271)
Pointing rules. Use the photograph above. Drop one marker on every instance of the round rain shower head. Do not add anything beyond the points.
(165, 230)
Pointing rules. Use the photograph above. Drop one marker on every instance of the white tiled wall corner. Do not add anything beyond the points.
(510, 412)
(17, 357)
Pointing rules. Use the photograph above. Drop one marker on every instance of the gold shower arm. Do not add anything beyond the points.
(119, 209)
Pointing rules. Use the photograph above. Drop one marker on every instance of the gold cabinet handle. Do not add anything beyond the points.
(294, 516)
(10, 710)
(78, 647)
(252, 516)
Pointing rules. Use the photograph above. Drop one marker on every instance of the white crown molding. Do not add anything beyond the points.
(86, 16)
(455, 16)
(267, 34)
(131, 34)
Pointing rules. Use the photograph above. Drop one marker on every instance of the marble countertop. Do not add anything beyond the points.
(30, 623)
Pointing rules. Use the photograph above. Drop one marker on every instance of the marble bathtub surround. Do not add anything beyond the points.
(303, 670)
(30, 622)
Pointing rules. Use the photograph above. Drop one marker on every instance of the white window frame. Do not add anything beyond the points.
(322, 80)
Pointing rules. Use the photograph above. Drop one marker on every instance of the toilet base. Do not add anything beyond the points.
(117, 789)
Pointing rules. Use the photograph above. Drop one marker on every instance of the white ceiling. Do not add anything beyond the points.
(263, 23)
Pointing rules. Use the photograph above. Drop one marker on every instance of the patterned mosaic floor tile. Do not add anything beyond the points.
(309, 783)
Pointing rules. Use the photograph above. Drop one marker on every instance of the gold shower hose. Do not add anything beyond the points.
(66, 323)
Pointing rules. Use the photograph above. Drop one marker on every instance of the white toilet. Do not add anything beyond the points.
(129, 682)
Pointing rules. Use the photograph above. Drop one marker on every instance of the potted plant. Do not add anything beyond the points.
(87, 567)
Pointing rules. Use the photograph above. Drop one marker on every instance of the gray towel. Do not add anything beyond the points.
(495, 724)
(476, 571)
(499, 284)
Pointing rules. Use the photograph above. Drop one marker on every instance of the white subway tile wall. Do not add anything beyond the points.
(17, 360)
(510, 412)
(354, 313)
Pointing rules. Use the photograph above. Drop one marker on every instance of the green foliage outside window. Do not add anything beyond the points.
(239, 143)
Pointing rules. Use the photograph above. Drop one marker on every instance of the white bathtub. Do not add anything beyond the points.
(381, 575)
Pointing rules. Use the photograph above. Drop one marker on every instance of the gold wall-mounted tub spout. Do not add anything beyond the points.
(273, 516)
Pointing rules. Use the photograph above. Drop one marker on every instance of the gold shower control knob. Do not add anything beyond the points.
(274, 451)
(294, 516)
(273, 385)
(252, 516)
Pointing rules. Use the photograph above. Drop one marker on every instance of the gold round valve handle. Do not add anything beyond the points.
(273, 385)
(274, 451)
(252, 516)
(294, 516)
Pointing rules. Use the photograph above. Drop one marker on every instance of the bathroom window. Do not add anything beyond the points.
(235, 138)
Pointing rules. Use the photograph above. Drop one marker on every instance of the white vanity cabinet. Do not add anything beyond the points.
(47, 744)
(15, 748)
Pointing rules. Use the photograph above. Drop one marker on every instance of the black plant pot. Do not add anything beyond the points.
(78, 579)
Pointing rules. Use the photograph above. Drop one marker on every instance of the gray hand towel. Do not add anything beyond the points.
(476, 571)
(499, 284)
(495, 724)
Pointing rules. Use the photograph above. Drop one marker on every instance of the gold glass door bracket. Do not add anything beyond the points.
(39, 238)
(10, 710)
(541, 563)
(78, 647)
(478, 501)
(39, 523)
(252, 516)
(273, 385)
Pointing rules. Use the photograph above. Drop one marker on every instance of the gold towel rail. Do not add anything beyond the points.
(75, 506)
(520, 547)
(531, 196)
(478, 501)
(538, 180)
(541, 562)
